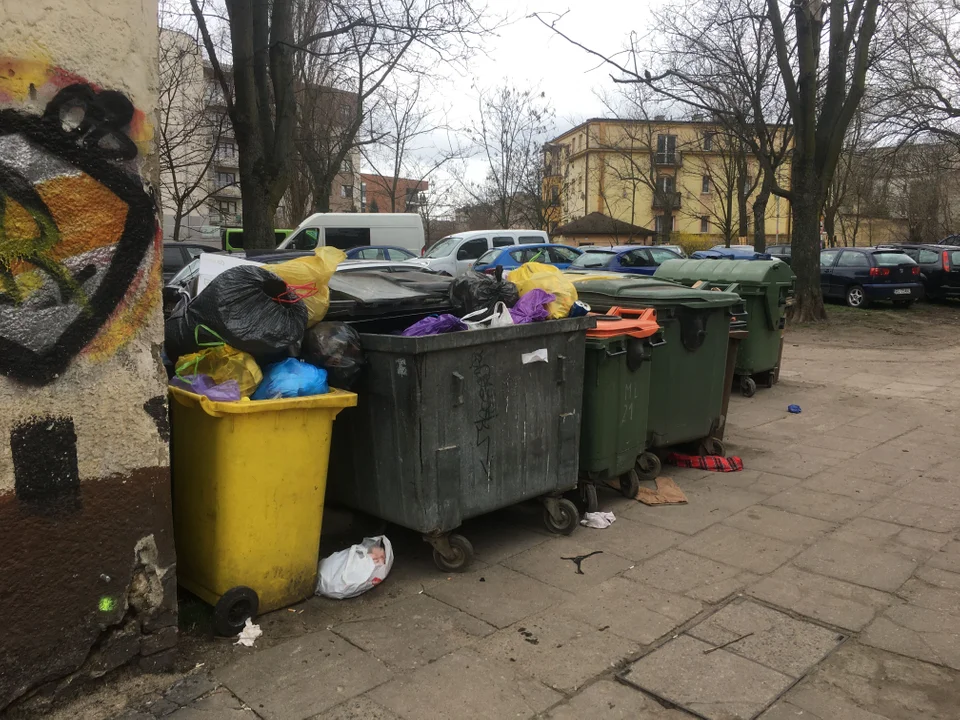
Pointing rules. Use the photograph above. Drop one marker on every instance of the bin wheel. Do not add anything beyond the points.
(568, 521)
(630, 484)
(232, 610)
(462, 555)
(590, 497)
(712, 446)
(748, 387)
(648, 466)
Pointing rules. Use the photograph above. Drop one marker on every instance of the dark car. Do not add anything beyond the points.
(952, 240)
(781, 252)
(510, 258)
(734, 252)
(939, 268)
(177, 254)
(379, 252)
(863, 275)
(624, 259)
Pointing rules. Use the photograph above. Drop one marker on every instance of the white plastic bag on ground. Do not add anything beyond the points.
(499, 316)
(598, 520)
(249, 634)
(350, 572)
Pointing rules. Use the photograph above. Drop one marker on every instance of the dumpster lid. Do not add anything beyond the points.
(376, 293)
(748, 273)
(609, 326)
(335, 399)
(655, 292)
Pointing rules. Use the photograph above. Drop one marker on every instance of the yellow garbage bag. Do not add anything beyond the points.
(309, 277)
(532, 275)
(223, 363)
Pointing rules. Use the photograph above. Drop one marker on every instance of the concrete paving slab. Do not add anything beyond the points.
(632, 610)
(909, 455)
(771, 483)
(465, 684)
(925, 517)
(704, 509)
(630, 539)
(303, 677)
(547, 564)
(559, 651)
(610, 700)
(860, 565)
(948, 557)
(414, 632)
(717, 686)
(907, 629)
(830, 440)
(359, 708)
(778, 641)
(863, 467)
(820, 505)
(779, 524)
(828, 706)
(218, 705)
(851, 487)
(503, 597)
(937, 578)
(695, 576)
(896, 538)
(921, 593)
(845, 605)
(936, 491)
(741, 548)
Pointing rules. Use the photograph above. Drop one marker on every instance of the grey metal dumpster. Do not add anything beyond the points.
(448, 427)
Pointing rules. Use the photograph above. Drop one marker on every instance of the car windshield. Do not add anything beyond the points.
(593, 259)
(443, 247)
(186, 272)
(892, 259)
(489, 256)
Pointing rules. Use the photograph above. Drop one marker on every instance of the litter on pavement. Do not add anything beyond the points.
(249, 634)
(598, 520)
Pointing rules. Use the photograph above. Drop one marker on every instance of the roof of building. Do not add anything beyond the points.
(596, 223)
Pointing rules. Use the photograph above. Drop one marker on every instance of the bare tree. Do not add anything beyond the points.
(509, 131)
(188, 130)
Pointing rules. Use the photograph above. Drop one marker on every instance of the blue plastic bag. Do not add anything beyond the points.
(291, 378)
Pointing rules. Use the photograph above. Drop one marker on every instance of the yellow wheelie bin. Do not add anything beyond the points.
(249, 479)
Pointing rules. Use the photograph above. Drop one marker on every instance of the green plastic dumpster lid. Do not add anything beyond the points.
(747, 273)
(657, 293)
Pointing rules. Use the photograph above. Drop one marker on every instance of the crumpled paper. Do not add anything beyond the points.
(598, 520)
(249, 634)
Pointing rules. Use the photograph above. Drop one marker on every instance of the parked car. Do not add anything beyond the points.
(350, 230)
(625, 259)
(939, 268)
(559, 256)
(781, 252)
(734, 252)
(380, 252)
(231, 239)
(952, 240)
(178, 254)
(863, 275)
(455, 254)
(676, 248)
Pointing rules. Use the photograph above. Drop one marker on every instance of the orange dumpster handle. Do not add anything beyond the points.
(643, 326)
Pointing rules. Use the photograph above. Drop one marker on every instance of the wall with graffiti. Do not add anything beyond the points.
(87, 578)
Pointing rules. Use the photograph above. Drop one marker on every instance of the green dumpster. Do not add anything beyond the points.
(764, 286)
(616, 391)
(687, 372)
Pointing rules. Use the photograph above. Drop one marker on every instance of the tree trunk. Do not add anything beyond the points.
(760, 220)
(743, 215)
(177, 220)
(805, 256)
(667, 225)
(829, 224)
(321, 194)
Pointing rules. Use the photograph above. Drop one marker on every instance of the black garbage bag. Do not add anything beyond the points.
(334, 346)
(248, 308)
(473, 291)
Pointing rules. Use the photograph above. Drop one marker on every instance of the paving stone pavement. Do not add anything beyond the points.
(838, 548)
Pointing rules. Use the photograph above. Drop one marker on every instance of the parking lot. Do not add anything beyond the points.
(822, 581)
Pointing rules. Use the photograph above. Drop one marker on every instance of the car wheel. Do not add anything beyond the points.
(856, 298)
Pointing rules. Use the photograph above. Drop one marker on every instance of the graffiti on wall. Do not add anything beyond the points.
(78, 228)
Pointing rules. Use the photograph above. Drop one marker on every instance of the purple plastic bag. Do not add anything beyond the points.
(228, 391)
(434, 325)
(530, 308)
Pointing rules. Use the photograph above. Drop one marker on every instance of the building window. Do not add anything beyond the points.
(554, 196)
(227, 207)
(225, 179)
(666, 184)
(659, 222)
(705, 184)
(667, 149)
(226, 150)
(704, 224)
(346, 113)
(346, 191)
(363, 197)
(708, 141)
(346, 167)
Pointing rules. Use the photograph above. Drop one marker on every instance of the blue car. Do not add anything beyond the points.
(513, 256)
(861, 276)
(634, 259)
(734, 252)
(379, 252)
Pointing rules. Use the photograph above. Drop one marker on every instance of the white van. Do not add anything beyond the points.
(455, 254)
(349, 230)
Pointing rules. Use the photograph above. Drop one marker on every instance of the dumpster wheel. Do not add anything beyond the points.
(232, 610)
(748, 387)
(712, 446)
(562, 517)
(630, 483)
(648, 467)
(459, 554)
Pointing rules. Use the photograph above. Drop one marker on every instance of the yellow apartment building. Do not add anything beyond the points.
(657, 174)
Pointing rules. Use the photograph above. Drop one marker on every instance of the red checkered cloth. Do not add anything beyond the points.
(715, 463)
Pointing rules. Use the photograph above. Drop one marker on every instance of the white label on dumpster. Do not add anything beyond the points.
(535, 356)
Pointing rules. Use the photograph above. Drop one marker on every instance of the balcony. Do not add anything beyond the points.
(668, 159)
(666, 201)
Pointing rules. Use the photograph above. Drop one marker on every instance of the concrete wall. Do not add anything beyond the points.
(86, 552)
